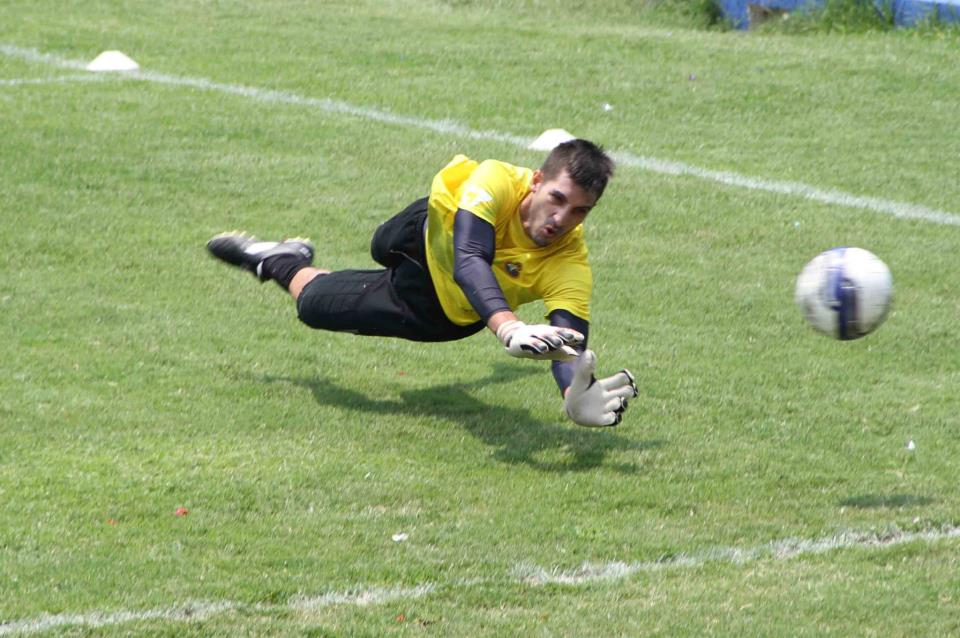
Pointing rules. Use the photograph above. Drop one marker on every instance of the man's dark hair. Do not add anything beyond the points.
(586, 163)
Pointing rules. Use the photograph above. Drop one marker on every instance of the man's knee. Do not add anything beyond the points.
(302, 279)
(380, 246)
(400, 237)
(345, 301)
(323, 302)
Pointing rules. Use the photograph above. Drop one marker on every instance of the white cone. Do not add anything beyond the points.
(112, 61)
(549, 139)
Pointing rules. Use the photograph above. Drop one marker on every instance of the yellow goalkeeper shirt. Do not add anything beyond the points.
(559, 273)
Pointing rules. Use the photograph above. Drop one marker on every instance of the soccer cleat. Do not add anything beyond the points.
(247, 252)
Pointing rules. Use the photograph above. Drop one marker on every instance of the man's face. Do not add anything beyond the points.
(554, 208)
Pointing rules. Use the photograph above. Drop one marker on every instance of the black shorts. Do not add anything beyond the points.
(396, 301)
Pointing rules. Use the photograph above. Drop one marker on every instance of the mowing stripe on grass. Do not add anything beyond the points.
(901, 210)
(525, 574)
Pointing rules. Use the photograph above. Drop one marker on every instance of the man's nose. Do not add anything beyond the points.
(561, 216)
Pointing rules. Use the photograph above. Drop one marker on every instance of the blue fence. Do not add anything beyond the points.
(905, 12)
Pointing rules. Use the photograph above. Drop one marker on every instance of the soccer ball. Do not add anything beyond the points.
(845, 293)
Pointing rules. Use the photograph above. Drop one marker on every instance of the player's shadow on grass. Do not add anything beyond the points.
(877, 501)
(515, 435)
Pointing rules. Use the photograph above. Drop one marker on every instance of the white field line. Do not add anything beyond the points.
(778, 550)
(526, 574)
(902, 210)
(359, 598)
(178, 613)
(200, 610)
(55, 80)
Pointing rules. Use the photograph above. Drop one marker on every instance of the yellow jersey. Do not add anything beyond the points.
(559, 273)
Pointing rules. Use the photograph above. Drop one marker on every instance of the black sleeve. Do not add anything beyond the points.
(474, 243)
(563, 370)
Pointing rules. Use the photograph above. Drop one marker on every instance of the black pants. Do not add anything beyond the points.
(396, 301)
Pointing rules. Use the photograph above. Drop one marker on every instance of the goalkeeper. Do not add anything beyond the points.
(490, 237)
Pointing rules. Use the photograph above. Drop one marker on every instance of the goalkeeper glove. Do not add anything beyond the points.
(538, 341)
(593, 402)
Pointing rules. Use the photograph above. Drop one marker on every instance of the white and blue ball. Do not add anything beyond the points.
(845, 293)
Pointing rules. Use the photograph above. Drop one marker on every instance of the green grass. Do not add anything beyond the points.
(140, 376)
(854, 16)
(838, 16)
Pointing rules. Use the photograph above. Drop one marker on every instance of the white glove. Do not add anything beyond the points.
(539, 341)
(596, 402)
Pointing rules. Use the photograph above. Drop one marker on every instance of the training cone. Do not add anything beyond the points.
(112, 61)
(549, 139)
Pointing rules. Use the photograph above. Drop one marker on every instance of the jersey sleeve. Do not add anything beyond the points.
(473, 249)
(488, 192)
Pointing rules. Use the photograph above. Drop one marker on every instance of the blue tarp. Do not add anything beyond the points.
(905, 12)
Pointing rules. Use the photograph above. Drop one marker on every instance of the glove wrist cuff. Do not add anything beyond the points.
(506, 329)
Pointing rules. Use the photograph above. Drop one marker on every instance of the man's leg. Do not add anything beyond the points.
(398, 301)
(356, 301)
(303, 277)
(389, 302)
(276, 260)
(401, 237)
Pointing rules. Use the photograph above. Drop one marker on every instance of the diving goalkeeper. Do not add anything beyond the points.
(489, 238)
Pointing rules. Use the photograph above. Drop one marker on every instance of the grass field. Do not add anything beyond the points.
(760, 485)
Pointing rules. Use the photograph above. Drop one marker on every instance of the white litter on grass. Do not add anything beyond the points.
(550, 139)
(112, 61)
(911, 445)
(399, 538)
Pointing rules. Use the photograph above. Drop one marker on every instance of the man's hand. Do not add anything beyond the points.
(539, 341)
(593, 402)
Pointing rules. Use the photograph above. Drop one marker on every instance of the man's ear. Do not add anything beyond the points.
(536, 181)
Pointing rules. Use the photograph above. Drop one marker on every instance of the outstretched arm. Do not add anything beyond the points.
(474, 244)
(588, 401)
(563, 370)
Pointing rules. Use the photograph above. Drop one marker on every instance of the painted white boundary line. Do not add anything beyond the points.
(778, 550)
(179, 613)
(526, 574)
(199, 610)
(901, 210)
(55, 80)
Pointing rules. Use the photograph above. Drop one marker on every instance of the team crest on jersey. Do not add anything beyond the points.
(473, 196)
(513, 268)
